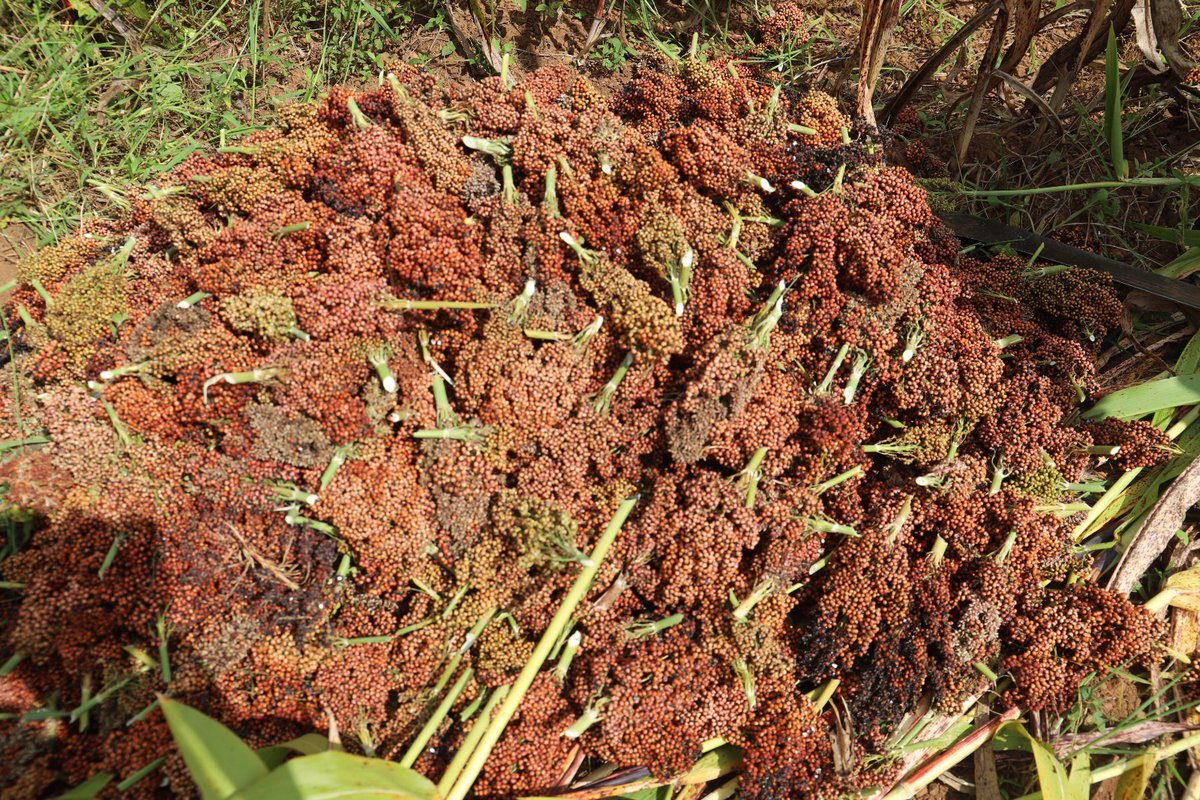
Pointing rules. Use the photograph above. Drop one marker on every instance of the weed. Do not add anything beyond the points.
(612, 53)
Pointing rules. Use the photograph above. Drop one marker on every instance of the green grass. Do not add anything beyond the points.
(87, 116)
(1108, 192)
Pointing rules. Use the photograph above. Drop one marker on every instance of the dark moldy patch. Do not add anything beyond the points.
(811, 390)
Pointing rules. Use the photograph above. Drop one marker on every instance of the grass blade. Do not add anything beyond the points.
(950, 755)
(1186, 238)
(89, 788)
(1113, 132)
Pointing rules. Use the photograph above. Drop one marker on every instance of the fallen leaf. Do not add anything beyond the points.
(1135, 734)
(1155, 534)
(1185, 631)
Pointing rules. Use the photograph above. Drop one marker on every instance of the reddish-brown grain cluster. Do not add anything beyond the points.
(341, 410)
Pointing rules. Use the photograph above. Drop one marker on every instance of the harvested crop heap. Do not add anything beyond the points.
(326, 402)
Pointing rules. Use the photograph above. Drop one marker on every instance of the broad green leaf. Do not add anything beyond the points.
(135, 8)
(307, 745)
(334, 774)
(89, 788)
(170, 93)
(219, 762)
(1189, 360)
(1113, 132)
(83, 9)
(1079, 782)
(1182, 267)
(1187, 238)
(713, 765)
(651, 793)
(1146, 398)
(1161, 419)
(1052, 776)
(1181, 590)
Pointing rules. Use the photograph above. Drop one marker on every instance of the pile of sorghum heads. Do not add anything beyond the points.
(325, 401)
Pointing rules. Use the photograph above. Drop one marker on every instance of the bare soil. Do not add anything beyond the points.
(16, 242)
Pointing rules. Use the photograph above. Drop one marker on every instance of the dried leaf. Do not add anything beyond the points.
(1146, 40)
(1025, 15)
(879, 18)
(1185, 631)
(1155, 533)
(1168, 21)
(1136, 779)
(1035, 99)
(1135, 734)
(955, 42)
(983, 83)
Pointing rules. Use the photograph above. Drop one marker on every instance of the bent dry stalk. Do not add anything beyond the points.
(399, 304)
(261, 375)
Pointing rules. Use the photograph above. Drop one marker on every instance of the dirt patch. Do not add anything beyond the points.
(17, 242)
